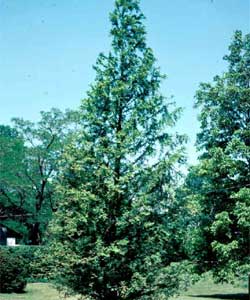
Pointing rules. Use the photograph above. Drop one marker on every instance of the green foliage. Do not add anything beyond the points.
(40, 265)
(33, 260)
(220, 184)
(29, 162)
(13, 271)
(12, 155)
(113, 236)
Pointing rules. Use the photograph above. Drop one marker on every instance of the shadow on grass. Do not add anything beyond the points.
(239, 296)
(16, 293)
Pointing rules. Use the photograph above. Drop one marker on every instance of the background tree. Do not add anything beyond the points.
(223, 195)
(112, 235)
(13, 211)
(31, 158)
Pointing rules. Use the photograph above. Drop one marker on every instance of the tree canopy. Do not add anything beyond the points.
(113, 232)
(223, 172)
(29, 161)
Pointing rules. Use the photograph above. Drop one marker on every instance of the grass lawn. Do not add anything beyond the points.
(35, 291)
(203, 290)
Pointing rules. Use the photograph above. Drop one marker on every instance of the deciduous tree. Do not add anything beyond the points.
(29, 162)
(224, 168)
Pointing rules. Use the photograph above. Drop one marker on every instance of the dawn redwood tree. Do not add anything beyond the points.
(113, 236)
(220, 184)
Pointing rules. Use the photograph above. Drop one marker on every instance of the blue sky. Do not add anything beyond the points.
(48, 47)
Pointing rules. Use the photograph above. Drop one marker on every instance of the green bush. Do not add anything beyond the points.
(13, 271)
(26, 252)
(41, 266)
(34, 260)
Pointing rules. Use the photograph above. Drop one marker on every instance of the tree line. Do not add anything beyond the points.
(125, 223)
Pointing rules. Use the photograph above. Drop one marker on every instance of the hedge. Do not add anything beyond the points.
(13, 271)
(33, 260)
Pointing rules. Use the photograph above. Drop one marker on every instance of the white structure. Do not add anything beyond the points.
(11, 242)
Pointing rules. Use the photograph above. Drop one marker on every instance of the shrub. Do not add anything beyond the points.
(39, 264)
(34, 259)
(13, 271)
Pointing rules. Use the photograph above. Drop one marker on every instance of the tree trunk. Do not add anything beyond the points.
(35, 237)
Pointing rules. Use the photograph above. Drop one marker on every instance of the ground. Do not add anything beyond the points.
(203, 290)
(35, 291)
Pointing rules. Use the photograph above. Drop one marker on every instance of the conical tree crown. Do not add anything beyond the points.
(124, 104)
(112, 227)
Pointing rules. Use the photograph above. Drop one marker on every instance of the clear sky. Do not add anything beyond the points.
(48, 47)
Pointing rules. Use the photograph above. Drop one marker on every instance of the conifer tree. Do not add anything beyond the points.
(113, 234)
